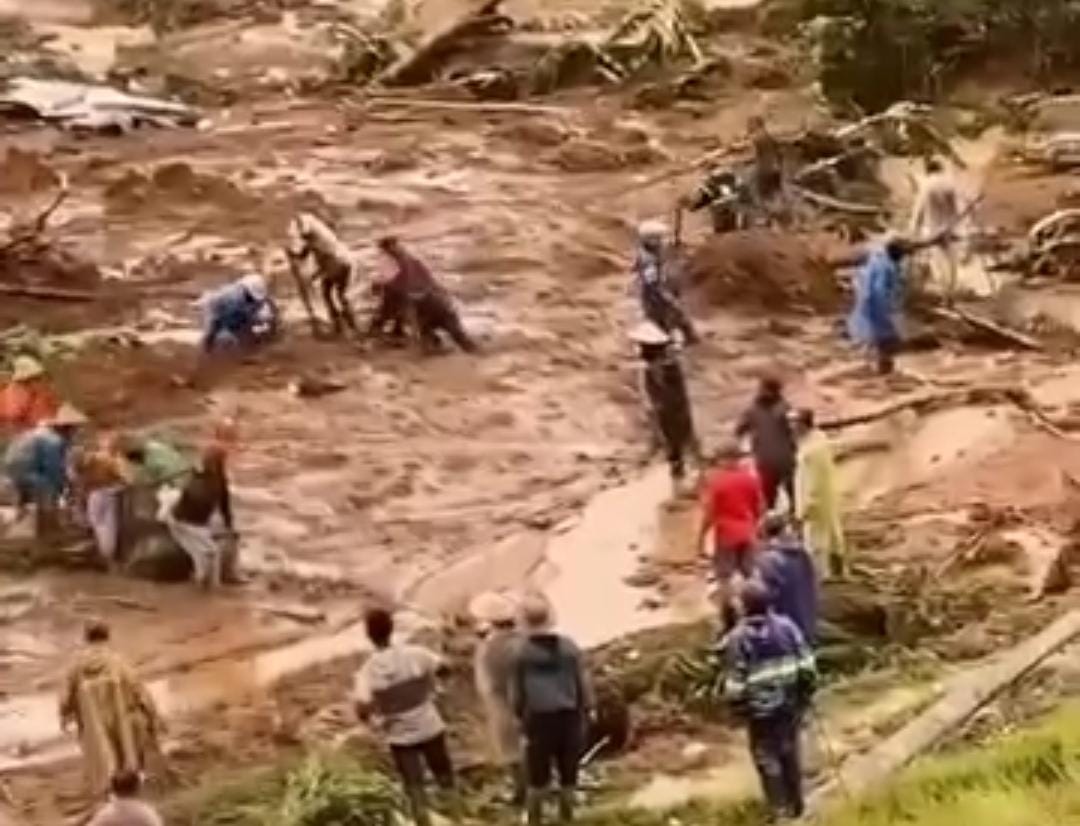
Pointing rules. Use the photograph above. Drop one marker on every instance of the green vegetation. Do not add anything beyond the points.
(870, 53)
(1030, 778)
(323, 789)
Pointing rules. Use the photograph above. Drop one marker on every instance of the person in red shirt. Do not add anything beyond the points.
(28, 400)
(732, 508)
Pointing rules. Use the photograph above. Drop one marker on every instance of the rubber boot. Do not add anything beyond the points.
(534, 807)
(566, 805)
(418, 805)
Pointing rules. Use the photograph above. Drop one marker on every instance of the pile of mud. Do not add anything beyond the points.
(176, 184)
(764, 269)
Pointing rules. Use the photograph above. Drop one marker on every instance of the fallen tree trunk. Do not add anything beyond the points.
(496, 106)
(965, 694)
(990, 328)
(928, 402)
(955, 397)
(423, 64)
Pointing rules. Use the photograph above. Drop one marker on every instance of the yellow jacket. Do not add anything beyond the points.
(817, 497)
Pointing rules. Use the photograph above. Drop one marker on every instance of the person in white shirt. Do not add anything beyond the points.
(395, 690)
(124, 807)
(937, 213)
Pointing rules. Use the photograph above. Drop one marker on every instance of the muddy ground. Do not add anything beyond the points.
(427, 479)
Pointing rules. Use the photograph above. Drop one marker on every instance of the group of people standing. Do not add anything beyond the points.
(55, 469)
(536, 692)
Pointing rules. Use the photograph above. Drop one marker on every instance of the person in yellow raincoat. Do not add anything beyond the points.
(817, 494)
(116, 718)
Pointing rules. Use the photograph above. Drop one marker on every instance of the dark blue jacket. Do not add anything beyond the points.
(230, 310)
(770, 668)
(788, 572)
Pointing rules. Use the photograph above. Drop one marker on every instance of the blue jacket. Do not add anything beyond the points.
(37, 462)
(877, 300)
(229, 310)
(787, 570)
(650, 272)
(770, 668)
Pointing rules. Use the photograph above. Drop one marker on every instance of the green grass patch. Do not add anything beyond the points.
(320, 789)
(1025, 779)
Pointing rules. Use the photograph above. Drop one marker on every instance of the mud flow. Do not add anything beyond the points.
(376, 475)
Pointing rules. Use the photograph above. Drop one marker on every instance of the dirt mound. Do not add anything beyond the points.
(581, 155)
(176, 184)
(772, 270)
(25, 173)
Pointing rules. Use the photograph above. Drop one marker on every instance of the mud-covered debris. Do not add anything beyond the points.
(653, 35)
(424, 64)
(314, 387)
(491, 84)
(573, 63)
(84, 106)
(699, 83)
(583, 155)
(535, 131)
(656, 33)
(772, 270)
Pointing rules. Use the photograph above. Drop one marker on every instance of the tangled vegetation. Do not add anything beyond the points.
(871, 53)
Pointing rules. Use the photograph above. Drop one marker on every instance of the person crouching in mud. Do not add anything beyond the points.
(413, 294)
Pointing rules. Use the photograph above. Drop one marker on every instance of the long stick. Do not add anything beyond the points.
(47, 293)
(302, 290)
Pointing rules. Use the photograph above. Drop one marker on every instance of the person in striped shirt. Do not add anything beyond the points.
(771, 677)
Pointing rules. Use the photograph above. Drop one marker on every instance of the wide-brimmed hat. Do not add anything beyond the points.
(492, 608)
(26, 368)
(536, 613)
(68, 416)
(649, 333)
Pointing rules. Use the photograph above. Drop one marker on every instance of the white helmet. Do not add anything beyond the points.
(652, 230)
(255, 284)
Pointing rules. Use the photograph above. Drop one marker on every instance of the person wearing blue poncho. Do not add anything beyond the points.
(874, 320)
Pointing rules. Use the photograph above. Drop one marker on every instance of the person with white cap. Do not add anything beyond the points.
(553, 698)
(28, 399)
(36, 462)
(664, 385)
(657, 293)
(239, 314)
(494, 670)
(334, 266)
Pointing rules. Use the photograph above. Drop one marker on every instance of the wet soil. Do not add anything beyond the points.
(427, 479)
